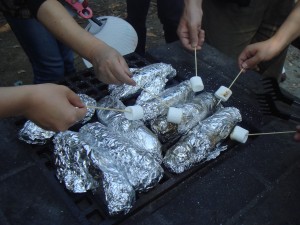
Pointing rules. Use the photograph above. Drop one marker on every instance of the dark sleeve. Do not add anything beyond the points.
(34, 6)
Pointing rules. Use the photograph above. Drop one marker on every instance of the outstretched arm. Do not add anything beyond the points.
(52, 107)
(189, 29)
(253, 54)
(109, 65)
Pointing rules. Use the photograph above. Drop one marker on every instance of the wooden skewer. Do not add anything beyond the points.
(196, 67)
(218, 102)
(281, 132)
(153, 95)
(237, 76)
(111, 109)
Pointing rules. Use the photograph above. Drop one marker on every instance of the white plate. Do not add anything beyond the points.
(115, 32)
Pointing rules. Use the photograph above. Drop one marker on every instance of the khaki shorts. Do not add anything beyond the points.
(230, 28)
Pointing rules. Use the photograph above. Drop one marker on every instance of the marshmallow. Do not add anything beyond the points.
(239, 134)
(223, 93)
(135, 112)
(196, 83)
(174, 115)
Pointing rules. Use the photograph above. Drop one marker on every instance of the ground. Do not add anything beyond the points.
(15, 67)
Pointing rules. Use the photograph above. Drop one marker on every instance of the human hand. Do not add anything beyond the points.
(297, 135)
(255, 53)
(189, 29)
(53, 107)
(109, 65)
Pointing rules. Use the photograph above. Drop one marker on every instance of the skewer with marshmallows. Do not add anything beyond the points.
(224, 93)
(134, 112)
(174, 114)
(241, 135)
(196, 81)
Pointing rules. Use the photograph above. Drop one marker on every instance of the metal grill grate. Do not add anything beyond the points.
(89, 207)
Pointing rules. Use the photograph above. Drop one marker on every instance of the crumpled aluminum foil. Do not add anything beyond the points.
(151, 89)
(134, 131)
(87, 100)
(142, 171)
(33, 134)
(73, 164)
(119, 194)
(194, 110)
(201, 141)
(81, 168)
(169, 97)
(142, 76)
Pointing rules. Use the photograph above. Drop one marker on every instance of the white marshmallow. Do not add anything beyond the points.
(135, 112)
(239, 134)
(196, 83)
(174, 115)
(223, 93)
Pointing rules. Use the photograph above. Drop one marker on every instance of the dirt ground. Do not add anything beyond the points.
(15, 67)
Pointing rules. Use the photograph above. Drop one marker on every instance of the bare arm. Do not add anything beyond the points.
(109, 65)
(255, 53)
(52, 107)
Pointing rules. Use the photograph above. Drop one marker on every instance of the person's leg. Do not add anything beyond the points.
(50, 59)
(169, 13)
(137, 11)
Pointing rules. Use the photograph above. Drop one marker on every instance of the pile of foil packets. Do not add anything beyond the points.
(123, 157)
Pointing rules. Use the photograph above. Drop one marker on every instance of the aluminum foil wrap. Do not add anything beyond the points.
(151, 89)
(73, 164)
(142, 76)
(142, 171)
(201, 141)
(169, 97)
(81, 168)
(133, 131)
(33, 134)
(119, 194)
(194, 110)
(87, 100)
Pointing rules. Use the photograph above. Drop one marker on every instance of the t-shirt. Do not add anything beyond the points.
(22, 9)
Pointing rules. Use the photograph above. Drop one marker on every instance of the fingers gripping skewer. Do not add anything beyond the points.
(131, 112)
(223, 93)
